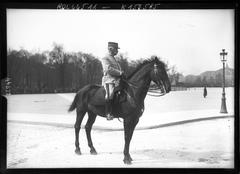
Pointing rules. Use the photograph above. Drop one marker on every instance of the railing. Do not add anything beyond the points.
(178, 88)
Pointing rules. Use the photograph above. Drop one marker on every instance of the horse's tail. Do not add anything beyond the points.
(81, 96)
(74, 103)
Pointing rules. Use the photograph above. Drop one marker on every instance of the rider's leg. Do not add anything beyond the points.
(111, 88)
(109, 96)
(107, 105)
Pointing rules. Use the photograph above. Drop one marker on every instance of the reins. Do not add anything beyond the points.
(154, 93)
(129, 83)
(151, 92)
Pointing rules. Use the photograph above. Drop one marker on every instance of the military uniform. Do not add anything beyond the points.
(111, 76)
(111, 70)
(111, 73)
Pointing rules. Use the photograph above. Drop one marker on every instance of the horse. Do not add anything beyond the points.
(128, 105)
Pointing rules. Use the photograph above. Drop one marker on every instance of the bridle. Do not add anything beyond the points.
(156, 91)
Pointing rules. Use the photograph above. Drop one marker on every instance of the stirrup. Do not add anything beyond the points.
(110, 117)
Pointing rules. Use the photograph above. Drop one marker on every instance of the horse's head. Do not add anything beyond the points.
(159, 76)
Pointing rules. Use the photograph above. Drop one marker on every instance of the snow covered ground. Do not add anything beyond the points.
(172, 102)
(207, 144)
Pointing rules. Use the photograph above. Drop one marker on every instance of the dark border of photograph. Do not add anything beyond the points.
(118, 5)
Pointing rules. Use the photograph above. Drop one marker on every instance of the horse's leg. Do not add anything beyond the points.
(129, 126)
(77, 126)
(88, 128)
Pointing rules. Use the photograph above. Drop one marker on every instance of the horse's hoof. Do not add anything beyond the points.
(78, 152)
(93, 152)
(127, 161)
(130, 159)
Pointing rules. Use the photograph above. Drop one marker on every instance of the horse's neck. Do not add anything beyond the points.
(142, 82)
(142, 90)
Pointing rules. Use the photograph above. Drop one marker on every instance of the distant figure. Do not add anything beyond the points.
(205, 92)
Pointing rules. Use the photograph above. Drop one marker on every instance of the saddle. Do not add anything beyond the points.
(119, 96)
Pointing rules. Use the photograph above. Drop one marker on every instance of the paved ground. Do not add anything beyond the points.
(180, 129)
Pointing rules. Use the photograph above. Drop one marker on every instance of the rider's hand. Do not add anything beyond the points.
(123, 76)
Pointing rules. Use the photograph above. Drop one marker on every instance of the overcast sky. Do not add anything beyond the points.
(189, 39)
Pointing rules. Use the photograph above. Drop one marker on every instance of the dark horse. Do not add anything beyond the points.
(128, 105)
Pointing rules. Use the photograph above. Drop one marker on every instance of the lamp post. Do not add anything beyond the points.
(223, 105)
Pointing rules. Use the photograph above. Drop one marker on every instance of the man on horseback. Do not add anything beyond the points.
(111, 76)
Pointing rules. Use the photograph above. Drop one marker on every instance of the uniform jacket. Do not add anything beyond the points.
(111, 69)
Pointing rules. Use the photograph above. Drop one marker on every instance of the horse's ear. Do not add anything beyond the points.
(156, 59)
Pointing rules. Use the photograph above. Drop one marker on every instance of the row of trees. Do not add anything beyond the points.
(213, 79)
(57, 70)
(54, 71)
(210, 82)
(60, 71)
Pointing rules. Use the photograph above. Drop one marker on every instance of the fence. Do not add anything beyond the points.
(178, 88)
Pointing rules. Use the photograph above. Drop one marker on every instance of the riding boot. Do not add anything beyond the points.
(109, 110)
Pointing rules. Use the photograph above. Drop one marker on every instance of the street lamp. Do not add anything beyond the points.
(223, 106)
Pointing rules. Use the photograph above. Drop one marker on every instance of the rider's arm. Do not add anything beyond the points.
(108, 68)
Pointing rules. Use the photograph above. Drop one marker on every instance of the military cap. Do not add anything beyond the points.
(113, 44)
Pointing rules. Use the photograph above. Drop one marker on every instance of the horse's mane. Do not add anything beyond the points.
(141, 64)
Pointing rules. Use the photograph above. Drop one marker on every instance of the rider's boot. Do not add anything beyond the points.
(109, 110)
